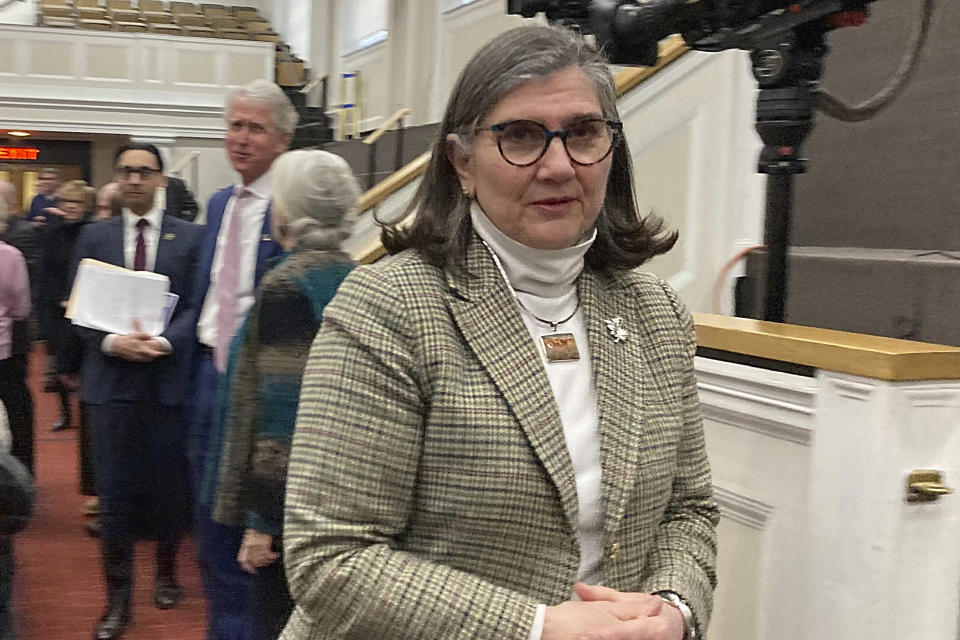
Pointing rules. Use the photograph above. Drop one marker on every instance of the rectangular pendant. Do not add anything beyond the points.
(560, 347)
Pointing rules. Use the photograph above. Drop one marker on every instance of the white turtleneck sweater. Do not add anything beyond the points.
(545, 282)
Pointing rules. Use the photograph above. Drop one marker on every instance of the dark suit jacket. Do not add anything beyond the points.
(180, 202)
(106, 378)
(268, 249)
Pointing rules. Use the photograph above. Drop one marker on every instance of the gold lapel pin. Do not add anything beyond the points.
(169, 236)
(617, 331)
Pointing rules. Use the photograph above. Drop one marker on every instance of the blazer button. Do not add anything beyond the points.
(612, 550)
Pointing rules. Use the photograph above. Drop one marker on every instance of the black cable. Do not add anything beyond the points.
(866, 110)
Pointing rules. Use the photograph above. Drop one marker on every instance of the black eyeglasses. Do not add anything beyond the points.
(588, 141)
(145, 173)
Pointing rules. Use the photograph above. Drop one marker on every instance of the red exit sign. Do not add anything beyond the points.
(19, 153)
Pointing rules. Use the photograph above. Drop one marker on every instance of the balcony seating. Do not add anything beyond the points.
(165, 27)
(124, 15)
(92, 13)
(130, 27)
(60, 23)
(95, 25)
(157, 17)
(233, 34)
(182, 7)
(191, 20)
(265, 36)
(211, 10)
(255, 26)
(199, 32)
(224, 22)
(178, 18)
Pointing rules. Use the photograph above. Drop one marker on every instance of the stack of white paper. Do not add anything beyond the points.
(110, 298)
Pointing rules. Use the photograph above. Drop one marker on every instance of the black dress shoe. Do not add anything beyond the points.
(93, 529)
(113, 623)
(166, 594)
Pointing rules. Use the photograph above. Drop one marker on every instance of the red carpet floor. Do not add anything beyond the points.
(59, 591)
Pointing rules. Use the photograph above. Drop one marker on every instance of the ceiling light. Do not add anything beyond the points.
(19, 134)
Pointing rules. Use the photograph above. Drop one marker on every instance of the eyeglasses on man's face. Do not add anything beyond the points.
(145, 173)
(587, 141)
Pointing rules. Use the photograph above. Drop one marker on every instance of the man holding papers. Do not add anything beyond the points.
(135, 383)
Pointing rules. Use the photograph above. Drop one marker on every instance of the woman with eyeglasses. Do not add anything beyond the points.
(499, 434)
(58, 240)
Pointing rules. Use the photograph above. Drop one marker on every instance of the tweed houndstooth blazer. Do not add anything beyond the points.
(430, 493)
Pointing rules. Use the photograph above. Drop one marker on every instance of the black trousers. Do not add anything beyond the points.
(88, 486)
(272, 603)
(141, 471)
(19, 404)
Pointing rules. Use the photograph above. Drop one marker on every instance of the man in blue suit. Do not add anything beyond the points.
(237, 250)
(134, 385)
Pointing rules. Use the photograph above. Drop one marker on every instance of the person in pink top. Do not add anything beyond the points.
(14, 306)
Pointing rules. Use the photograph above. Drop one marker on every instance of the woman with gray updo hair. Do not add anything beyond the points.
(314, 195)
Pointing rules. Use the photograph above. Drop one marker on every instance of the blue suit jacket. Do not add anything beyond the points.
(267, 250)
(107, 378)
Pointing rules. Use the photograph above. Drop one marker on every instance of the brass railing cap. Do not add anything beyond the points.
(851, 353)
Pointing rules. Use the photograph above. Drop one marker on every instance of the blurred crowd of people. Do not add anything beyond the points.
(464, 440)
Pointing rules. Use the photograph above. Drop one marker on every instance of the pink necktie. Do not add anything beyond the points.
(229, 281)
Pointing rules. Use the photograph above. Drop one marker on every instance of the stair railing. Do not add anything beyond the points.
(371, 140)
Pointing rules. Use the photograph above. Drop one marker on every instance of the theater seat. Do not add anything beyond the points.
(60, 23)
(265, 36)
(199, 32)
(165, 27)
(92, 13)
(183, 8)
(157, 17)
(95, 25)
(191, 20)
(233, 34)
(55, 11)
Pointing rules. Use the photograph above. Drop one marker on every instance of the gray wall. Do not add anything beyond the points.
(892, 182)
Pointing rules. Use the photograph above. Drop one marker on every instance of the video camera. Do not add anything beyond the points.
(629, 30)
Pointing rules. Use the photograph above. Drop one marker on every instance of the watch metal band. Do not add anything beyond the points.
(674, 600)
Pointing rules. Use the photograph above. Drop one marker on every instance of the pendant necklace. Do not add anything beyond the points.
(557, 347)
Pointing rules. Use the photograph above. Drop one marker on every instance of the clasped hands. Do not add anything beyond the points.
(137, 346)
(256, 551)
(607, 614)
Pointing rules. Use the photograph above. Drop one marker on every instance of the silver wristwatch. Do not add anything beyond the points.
(689, 627)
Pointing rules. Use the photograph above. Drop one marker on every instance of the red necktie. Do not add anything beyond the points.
(140, 257)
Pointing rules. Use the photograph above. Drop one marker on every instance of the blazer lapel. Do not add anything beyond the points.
(618, 370)
(164, 247)
(486, 314)
(115, 247)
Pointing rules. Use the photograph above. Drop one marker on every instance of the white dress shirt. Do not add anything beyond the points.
(151, 236)
(251, 233)
(151, 240)
(545, 282)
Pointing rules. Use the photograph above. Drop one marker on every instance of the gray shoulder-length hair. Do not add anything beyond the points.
(317, 194)
(441, 228)
(271, 96)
